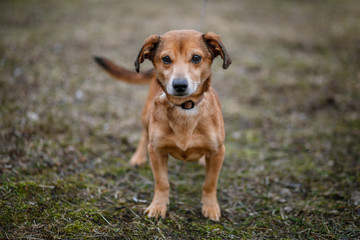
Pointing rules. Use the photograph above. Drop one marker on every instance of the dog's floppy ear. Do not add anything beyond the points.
(147, 50)
(216, 47)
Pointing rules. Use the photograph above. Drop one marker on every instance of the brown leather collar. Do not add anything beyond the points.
(190, 104)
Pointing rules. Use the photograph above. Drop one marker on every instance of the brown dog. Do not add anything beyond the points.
(182, 115)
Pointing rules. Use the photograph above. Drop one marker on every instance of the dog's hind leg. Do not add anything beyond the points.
(140, 155)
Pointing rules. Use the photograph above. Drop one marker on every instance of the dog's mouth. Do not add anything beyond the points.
(180, 94)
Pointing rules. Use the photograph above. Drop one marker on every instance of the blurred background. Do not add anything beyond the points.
(290, 101)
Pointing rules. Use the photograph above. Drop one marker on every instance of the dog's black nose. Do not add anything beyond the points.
(180, 84)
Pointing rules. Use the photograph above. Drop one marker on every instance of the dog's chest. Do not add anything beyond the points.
(186, 134)
(187, 147)
(185, 139)
(183, 133)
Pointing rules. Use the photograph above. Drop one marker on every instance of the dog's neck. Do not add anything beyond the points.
(190, 104)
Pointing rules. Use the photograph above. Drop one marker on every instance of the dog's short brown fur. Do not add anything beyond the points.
(186, 124)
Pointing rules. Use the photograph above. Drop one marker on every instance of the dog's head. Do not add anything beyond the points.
(182, 60)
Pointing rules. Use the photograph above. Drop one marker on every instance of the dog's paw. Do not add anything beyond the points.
(155, 210)
(211, 211)
(202, 161)
(137, 160)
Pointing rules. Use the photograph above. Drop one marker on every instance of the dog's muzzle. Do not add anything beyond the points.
(180, 85)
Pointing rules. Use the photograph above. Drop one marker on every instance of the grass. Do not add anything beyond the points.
(290, 103)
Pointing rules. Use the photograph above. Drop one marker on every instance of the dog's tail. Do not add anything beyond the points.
(125, 74)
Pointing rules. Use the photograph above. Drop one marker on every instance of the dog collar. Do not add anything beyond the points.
(190, 104)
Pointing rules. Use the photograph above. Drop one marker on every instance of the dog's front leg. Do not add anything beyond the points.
(210, 205)
(159, 166)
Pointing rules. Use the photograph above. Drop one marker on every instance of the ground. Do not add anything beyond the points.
(290, 100)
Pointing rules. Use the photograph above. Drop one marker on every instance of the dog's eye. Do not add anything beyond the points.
(196, 59)
(166, 60)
